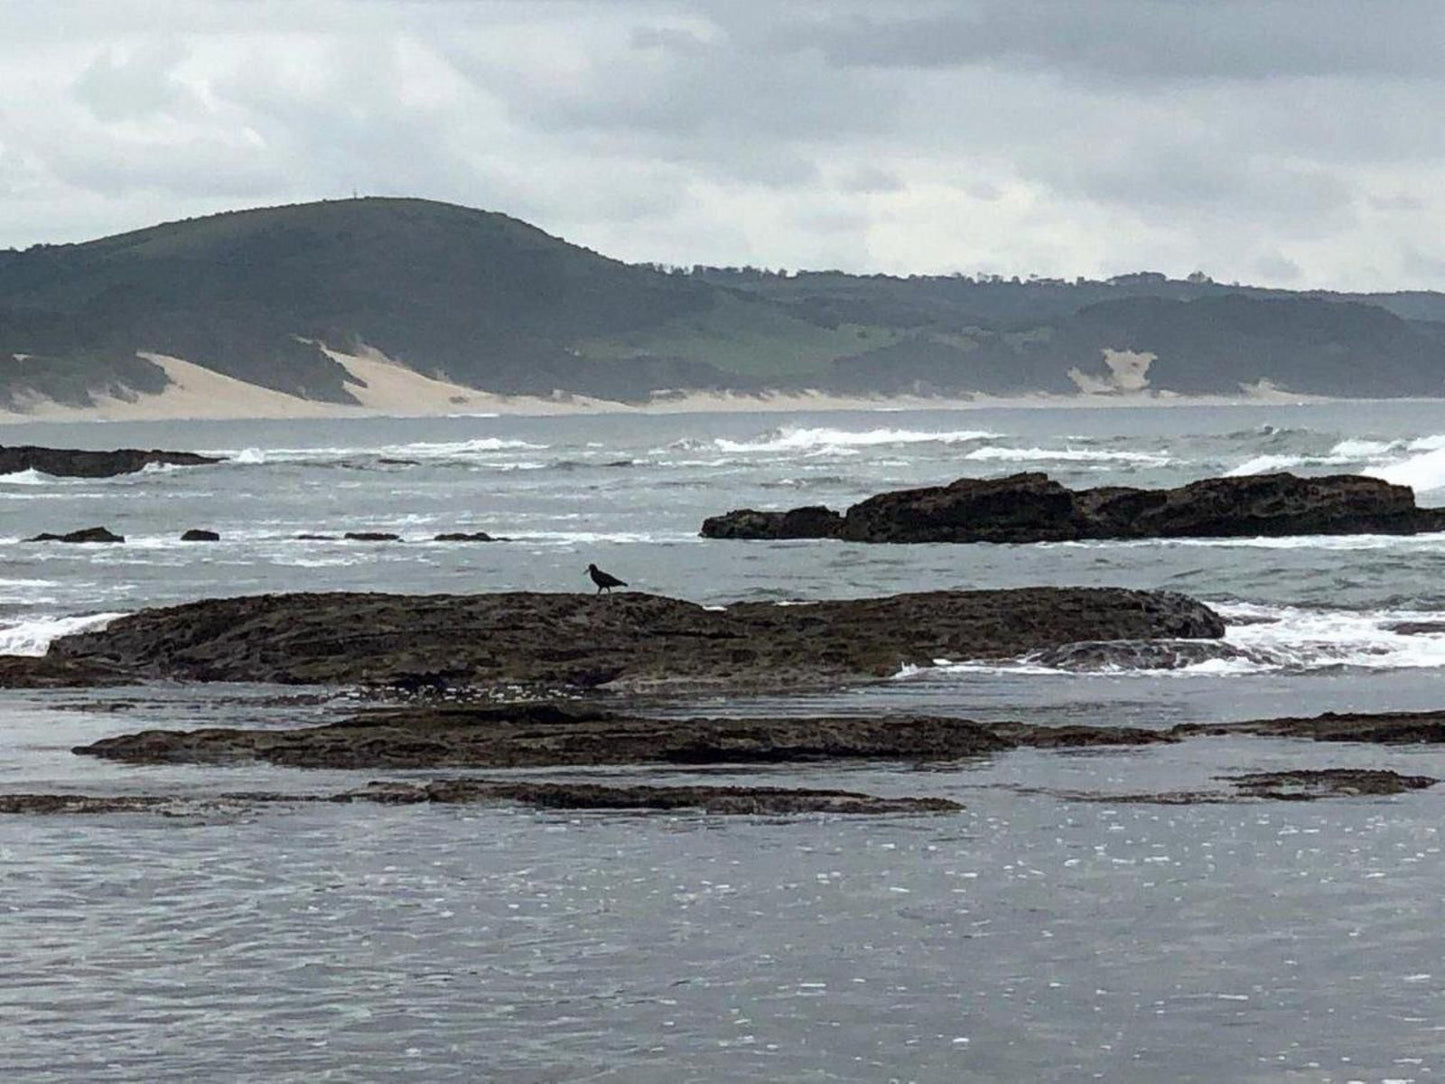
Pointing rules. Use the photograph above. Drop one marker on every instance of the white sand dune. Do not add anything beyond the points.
(383, 387)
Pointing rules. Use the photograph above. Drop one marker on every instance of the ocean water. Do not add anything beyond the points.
(1035, 936)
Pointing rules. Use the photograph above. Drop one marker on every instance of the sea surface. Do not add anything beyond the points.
(1035, 936)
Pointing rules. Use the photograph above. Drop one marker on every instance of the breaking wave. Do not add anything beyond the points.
(423, 451)
(1068, 455)
(1260, 639)
(31, 477)
(794, 439)
(1423, 473)
(34, 636)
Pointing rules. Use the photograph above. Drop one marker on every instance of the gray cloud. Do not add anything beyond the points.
(1296, 140)
(1156, 40)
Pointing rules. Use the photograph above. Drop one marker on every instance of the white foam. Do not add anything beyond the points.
(34, 635)
(797, 439)
(1422, 473)
(1068, 455)
(1301, 639)
(1267, 639)
(572, 538)
(1342, 542)
(460, 449)
(31, 477)
(1364, 449)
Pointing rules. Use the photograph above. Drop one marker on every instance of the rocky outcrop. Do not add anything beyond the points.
(633, 641)
(78, 463)
(546, 735)
(198, 534)
(814, 521)
(89, 534)
(371, 536)
(1033, 508)
(462, 536)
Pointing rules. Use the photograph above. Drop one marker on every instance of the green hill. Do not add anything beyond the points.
(491, 302)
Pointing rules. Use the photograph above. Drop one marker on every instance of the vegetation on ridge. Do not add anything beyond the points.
(490, 302)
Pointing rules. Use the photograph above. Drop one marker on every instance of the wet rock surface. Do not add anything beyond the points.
(1416, 628)
(707, 799)
(1308, 784)
(1381, 728)
(776, 801)
(200, 534)
(463, 536)
(543, 735)
(1106, 655)
(78, 463)
(625, 641)
(1031, 507)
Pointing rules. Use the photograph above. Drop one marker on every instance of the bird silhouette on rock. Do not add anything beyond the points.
(605, 581)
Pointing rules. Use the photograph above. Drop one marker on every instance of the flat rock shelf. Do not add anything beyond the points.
(629, 641)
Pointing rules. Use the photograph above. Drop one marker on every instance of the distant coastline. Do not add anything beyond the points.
(385, 389)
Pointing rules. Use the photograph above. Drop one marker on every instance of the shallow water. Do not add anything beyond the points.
(1033, 936)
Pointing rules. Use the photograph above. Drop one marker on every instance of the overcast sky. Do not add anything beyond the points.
(1287, 142)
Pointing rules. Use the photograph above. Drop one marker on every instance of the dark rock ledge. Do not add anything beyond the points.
(77, 463)
(539, 795)
(1033, 508)
(628, 641)
(546, 735)
(1380, 728)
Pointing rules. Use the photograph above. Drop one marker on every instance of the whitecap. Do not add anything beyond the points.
(31, 477)
(1363, 449)
(1068, 455)
(1422, 473)
(796, 439)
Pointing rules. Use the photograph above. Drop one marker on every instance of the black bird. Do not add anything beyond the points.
(604, 581)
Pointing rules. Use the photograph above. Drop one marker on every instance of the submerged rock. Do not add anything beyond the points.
(462, 536)
(80, 463)
(1293, 785)
(542, 735)
(1031, 507)
(1301, 785)
(775, 801)
(196, 534)
(713, 800)
(80, 803)
(624, 641)
(89, 534)
(371, 536)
